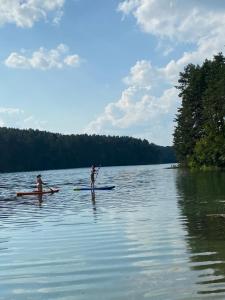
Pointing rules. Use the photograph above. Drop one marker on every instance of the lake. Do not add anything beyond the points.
(159, 235)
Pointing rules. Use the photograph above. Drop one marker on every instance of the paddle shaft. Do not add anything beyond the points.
(47, 186)
(97, 173)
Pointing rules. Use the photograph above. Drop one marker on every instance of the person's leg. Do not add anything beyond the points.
(92, 184)
(39, 188)
(92, 181)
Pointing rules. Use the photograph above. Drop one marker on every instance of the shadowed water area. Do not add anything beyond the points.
(159, 235)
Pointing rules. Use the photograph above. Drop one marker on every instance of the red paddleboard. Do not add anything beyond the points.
(36, 193)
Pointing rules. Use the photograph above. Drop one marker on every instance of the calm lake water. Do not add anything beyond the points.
(159, 235)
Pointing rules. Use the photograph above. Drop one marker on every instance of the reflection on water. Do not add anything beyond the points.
(159, 235)
(202, 202)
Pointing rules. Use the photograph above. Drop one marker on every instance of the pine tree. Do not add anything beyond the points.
(190, 117)
(199, 137)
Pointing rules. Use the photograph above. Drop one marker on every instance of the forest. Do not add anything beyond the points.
(27, 150)
(199, 137)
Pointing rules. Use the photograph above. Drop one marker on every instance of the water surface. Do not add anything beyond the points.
(159, 235)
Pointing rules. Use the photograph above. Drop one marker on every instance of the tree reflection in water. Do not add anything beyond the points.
(202, 203)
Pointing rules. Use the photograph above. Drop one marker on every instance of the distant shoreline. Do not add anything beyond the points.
(87, 167)
(28, 150)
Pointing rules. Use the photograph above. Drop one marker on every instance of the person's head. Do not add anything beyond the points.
(39, 176)
(93, 166)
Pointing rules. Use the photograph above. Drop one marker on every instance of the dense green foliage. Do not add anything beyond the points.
(199, 137)
(25, 150)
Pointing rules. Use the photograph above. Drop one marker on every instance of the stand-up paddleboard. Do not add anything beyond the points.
(36, 193)
(103, 188)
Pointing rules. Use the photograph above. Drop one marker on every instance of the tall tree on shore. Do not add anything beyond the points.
(199, 136)
(190, 115)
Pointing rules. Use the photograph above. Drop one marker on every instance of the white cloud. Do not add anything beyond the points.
(7, 114)
(138, 110)
(148, 105)
(43, 59)
(32, 122)
(24, 13)
(10, 110)
(181, 20)
(142, 75)
(18, 118)
(128, 6)
(72, 60)
(201, 23)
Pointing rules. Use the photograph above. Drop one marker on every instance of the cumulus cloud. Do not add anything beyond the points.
(139, 111)
(43, 59)
(182, 20)
(148, 104)
(142, 75)
(138, 108)
(72, 60)
(200, 23)
(24, 13)
(18, 118)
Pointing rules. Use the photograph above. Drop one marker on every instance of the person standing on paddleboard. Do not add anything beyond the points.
(93, 177)
(93, 172)
(39, 183)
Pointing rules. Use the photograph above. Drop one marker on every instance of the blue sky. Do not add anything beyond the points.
(102, 66)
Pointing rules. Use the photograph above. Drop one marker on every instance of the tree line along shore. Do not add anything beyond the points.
(28, 150)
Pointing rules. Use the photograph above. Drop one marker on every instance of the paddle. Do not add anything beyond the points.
(97, 172)
(48, 187)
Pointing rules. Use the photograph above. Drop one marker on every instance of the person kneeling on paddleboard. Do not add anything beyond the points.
(39, 183)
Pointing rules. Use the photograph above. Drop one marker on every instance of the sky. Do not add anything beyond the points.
(102, 66)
